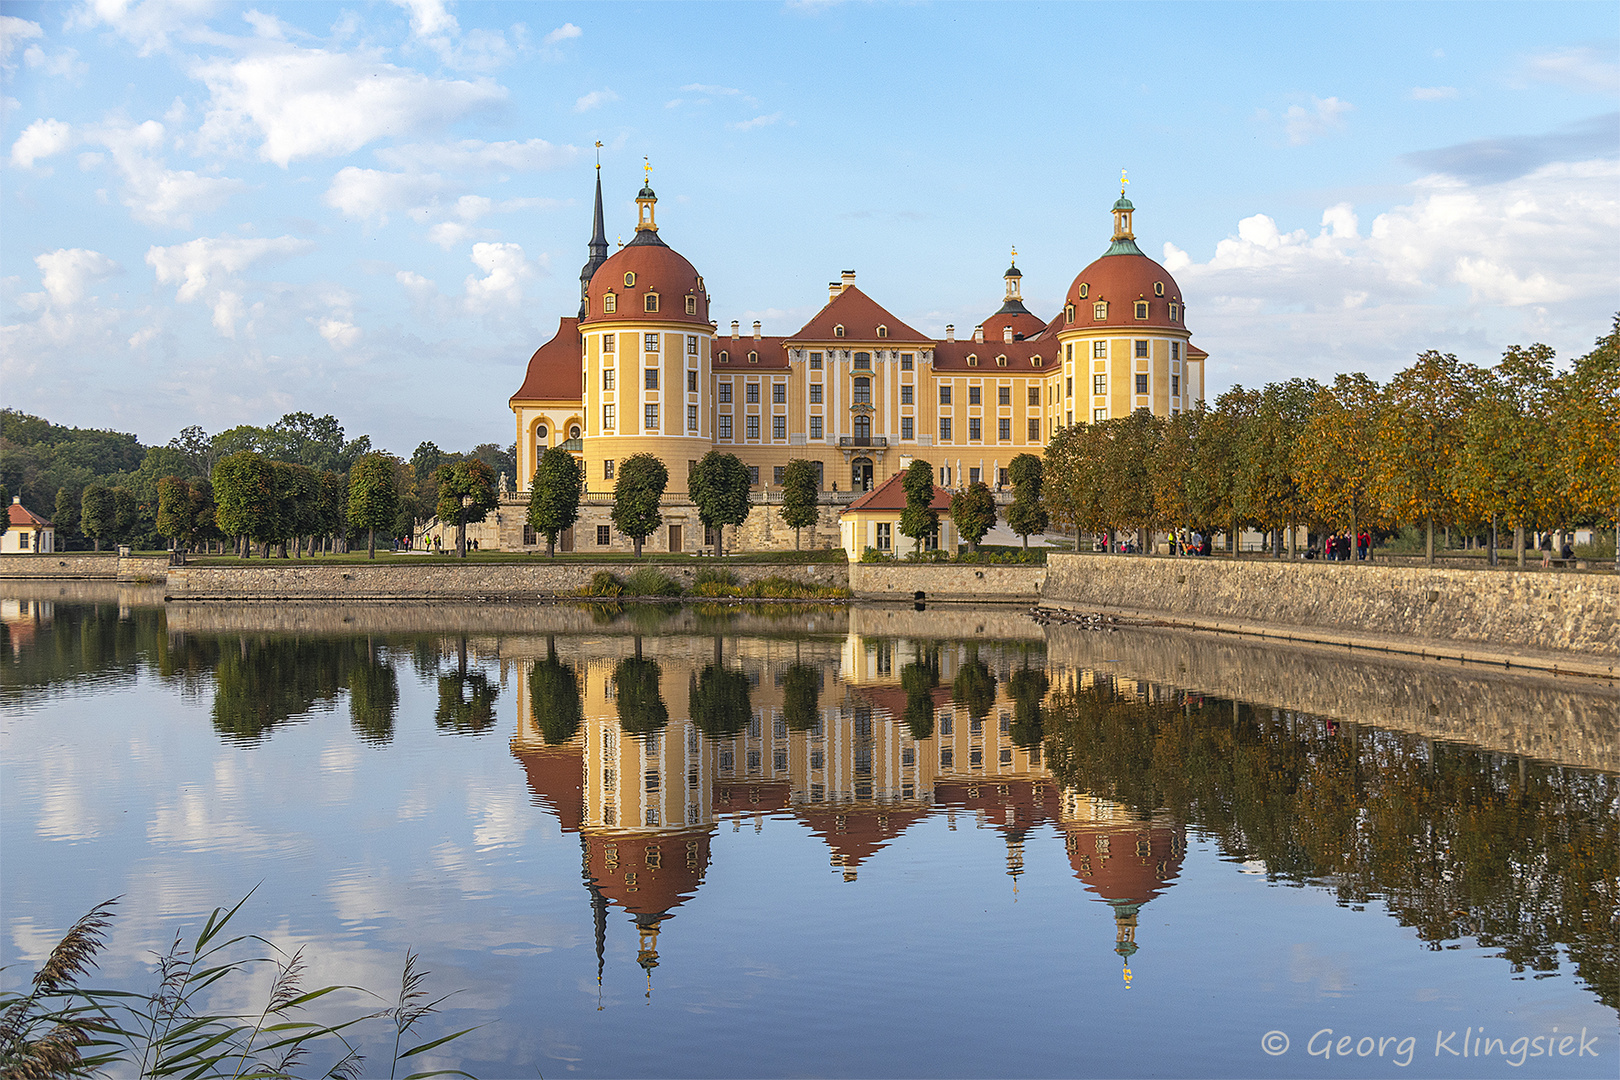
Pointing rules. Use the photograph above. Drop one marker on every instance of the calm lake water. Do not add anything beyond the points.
(722, 842)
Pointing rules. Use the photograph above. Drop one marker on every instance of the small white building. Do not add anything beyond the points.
(873, 521)
(29, 533)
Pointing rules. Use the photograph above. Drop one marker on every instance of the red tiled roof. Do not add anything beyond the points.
(618, 864)
(1021, 322)
(556, 372)
(953, 356)
(1195, 353)
(1122, 280)
(1116, 868)
(20, 516)
(889, 495)
(860, 316)
(556, 777)
(772, 352)
(856, 832)
(658, 268)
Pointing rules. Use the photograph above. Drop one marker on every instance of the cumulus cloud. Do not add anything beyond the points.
(154, 193)
(434, 26)
(13, 32)
(1433, 93)
(1467, 268)
(147, 24)
(475, 154)
(1582, 68)
(1325, 114)
(594, 99)
(338, 332)
(371, 193)
(563, 33)
(304, 103)
(41, 139)
(207, 269)
(67, 273)
(504, 269)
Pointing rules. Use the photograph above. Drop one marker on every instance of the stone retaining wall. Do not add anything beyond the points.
(106, 566)
(432, 579)
(1537, 611)
(946, 581)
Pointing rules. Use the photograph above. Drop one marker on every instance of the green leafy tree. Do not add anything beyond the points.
(65, 520)
(718, 486)
(175, 510)
(466, 495)
(197, 448)
(297, 503)
(1027, 514)
(1214, 487)
(974, 512)
(373, 697)
(333, 505)
(373, 501)
(918, 679)
(637, 491)
(720, 701)
(554, 697)
(1129, 444)
(1507, 470)
(1172, 466)
(1072, 478)
(1267, 487)
(801, 491)
(98, 513)
(919, 520)
(466, 703)
(974, 688)
(801, 697)
(554, 495)
(1334, 457)
(1419, 439)
(244, 498)
(1028, 687)
(126, 515)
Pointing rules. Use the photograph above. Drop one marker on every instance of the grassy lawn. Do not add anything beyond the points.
(782, 558)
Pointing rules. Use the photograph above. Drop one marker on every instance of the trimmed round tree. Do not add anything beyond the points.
(801, 487)
(1026, 515)
(636, 494)
(466, 495)
(974, 512)
(919, 520)
(373, 497)
(554, 495)
(718, 485)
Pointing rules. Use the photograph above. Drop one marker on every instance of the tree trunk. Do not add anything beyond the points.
(720, 539)
(1490, 554)
(796, 538)
(98, 544)
(1518, 545)
(551, 544)
(1429, 541)
(1354, 534)
(1293, 544)
(461, 536)
(1232, 537)
(637, 541)
(371, 542)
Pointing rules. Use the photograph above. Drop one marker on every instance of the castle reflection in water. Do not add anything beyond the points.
(669, 747)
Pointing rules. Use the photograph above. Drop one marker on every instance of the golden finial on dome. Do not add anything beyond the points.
(1122, 183)
(1015, 255)
(1127, 976)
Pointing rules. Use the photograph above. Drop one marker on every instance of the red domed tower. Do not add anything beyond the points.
(1012, 321)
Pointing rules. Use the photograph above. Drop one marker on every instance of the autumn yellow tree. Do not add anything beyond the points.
(1419, 440)
(1507, 470)
(1334, 457)
(1587, 428)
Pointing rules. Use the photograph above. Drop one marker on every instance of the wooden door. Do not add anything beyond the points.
(674, 538)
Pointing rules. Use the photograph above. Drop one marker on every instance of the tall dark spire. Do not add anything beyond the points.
(598, 249)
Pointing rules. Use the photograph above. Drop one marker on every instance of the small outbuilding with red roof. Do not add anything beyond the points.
(28, 532)
(873, 521)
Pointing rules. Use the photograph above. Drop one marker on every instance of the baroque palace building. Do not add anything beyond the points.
(644, 368)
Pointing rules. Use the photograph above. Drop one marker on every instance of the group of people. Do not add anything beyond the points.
(1338, 547)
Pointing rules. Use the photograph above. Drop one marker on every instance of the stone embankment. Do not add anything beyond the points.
(98, 566)
(946, 581)
(1566, 621)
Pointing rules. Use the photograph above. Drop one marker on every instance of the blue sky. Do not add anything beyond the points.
(215, 213)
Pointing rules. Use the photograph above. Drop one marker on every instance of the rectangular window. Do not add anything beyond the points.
(1068, 351)
(973, 429)
(777, 472)
(1175, 386)
(1099, 384)
(815, 361)
(1175, 312)
(906, 430)
(945, 395)
(1004, 429)
(1141, 348)
(973, 476)
(607, 378)
(725, 393)
(1099, 350)
(1034, 395)
(905, 361)
(815, 427)
(1175, 350)
(609, 417)
(1141, 309)
(650, 302)
(691, 382)
(944, 429)
(973, 395)
(863, 361)
(778, 427)
(884, 536)
(691, 418)
(863, 391)
(691, 341)
(751, 427)
(947, 759)
(1099, 311)
(1003, 395)
(1068, 387)
(1099, 415)
(609, 342)
(603, 536)
(649, 343)
(652, 378)
(1035, 430)
(607, 469)
(753, 472)
(815, 393)
(725, 426)
(906, 395)
(751, 394)
(779, 393)
(650, 417)
(1141, 383)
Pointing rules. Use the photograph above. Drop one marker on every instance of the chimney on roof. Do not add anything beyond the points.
(833, 289)
(756, 329)
(1006, 333)
(978, 333)
(734, 329)
(849, 278)
(950, 332)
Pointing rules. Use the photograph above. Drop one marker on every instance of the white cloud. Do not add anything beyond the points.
(1324, 115)
(710, 89)
(429, 18)
(1433, 93)
(67, 272)
(13, 32)
(265, 26)
(41, 139)
(310, 102)
(1465, 268)
(146, 24)
(154, 193)
(563, 33)
(62, 65)
(202, 264)
(756, 122)
(475, 154)
(370, 193)
(338, 332)
(594, 99)
(1585, 68)
(504, 269)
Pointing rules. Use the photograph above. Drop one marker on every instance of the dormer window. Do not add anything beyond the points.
(1158, 288)
(753, 357)
(691, 305)
(650, 301)
(1034, 361)
(629, 279)
(1001, 361)
(1068, 313)
(725, 357)
(1175, 312)
(838, 331)
(1141, 309)
(610, 303)
(883, 331)
(1085, 290)
(1099, 310)
(973, 360)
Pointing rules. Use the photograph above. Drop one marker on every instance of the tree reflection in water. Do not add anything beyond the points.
(466, 698)
(640, 704)
(1456, 841)
(554, 697)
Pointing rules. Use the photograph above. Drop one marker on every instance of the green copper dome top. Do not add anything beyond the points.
(1124, 246)
(646, 192)
(1123, 204)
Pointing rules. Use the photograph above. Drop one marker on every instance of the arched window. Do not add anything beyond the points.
(725, 357)
(838, 331)
(1068, 313)
(691, 305)
(1001, 361)
(573, 432)
(883, 331)
(753, 357)
(973, 360)
(863, 391)
(863, 427)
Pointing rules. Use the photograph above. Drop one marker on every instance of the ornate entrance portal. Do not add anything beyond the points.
(860, 474)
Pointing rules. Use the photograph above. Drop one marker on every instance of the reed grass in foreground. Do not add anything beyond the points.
(57, 1028)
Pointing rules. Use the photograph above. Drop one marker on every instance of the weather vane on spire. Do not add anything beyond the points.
(1122, 183)
(1015, 255)
(598, 155)
(647, 168)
